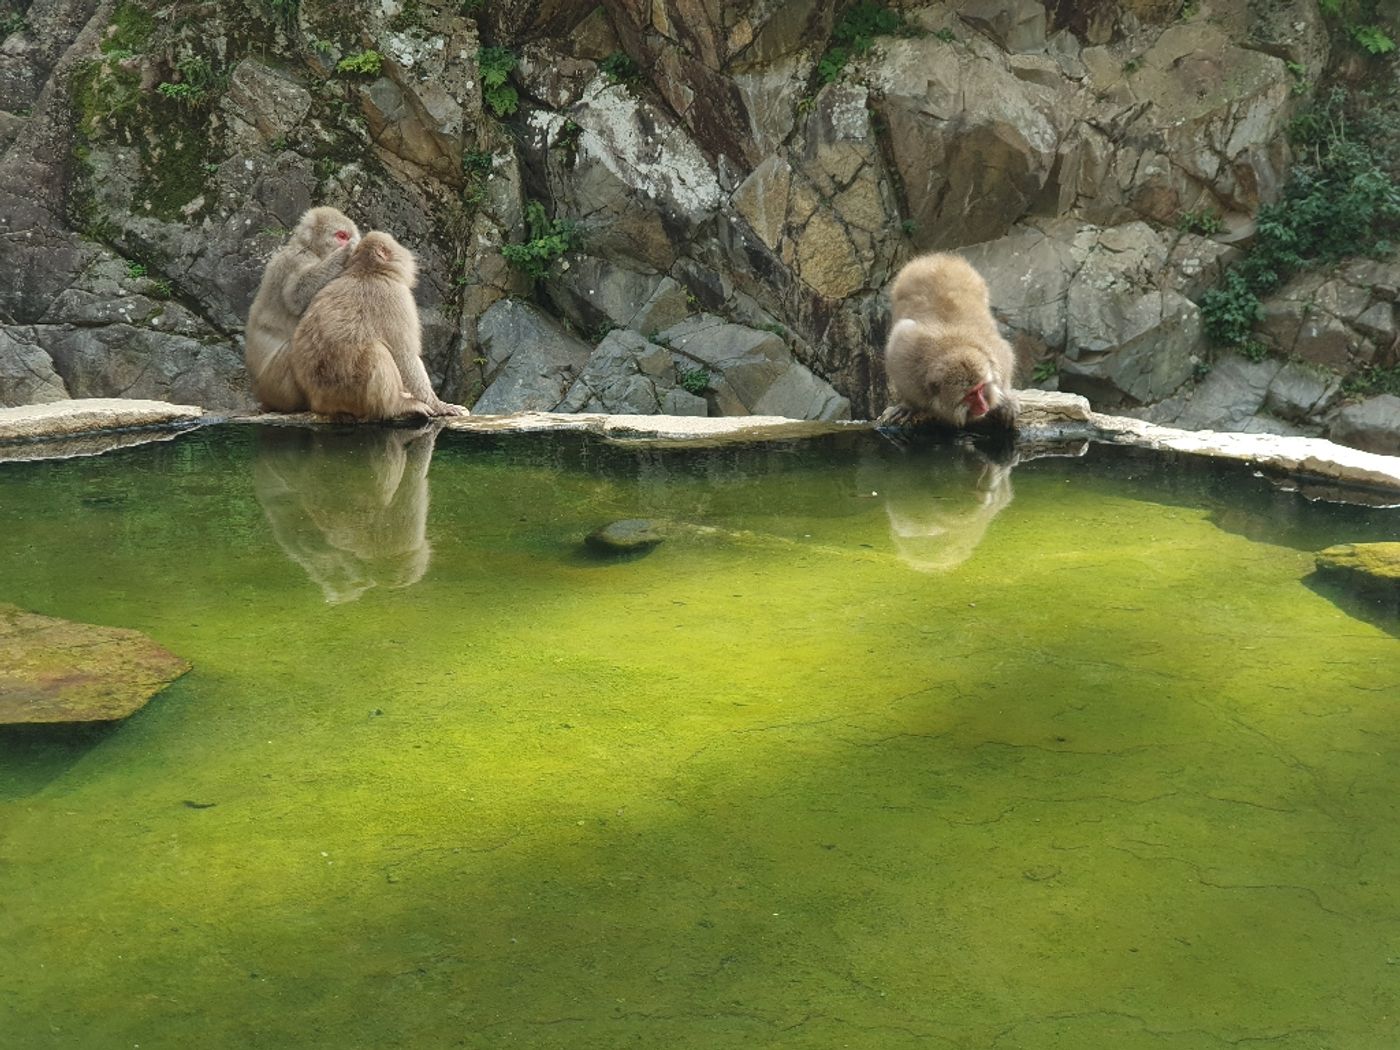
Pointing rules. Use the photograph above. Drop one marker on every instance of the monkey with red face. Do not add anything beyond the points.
(945, 358)
(320, 246)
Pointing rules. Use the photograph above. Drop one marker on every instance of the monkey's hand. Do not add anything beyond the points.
(299, 292)
(444, 408)
(898, 416)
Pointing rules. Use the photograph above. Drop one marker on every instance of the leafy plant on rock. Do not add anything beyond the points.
(619, 68)
(548, 240)
(361, 63)
(1201, 221)
(1363, 23)
(1341, 202)
(854, 35)
(495, 65)
(694, 380)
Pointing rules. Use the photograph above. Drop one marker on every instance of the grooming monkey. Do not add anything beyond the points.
(946, 361)
(357, 352)
(321, 243)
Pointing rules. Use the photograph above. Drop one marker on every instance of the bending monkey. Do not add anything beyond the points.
(946, 360)
(316, 254)
(358, 350)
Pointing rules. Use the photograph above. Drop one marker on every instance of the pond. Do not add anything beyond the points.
(883, 746)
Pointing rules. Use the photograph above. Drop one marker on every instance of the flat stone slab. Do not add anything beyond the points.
(1368, 566)
(1302, 456)
(54, 671)
(1045, 415)
(90, 415)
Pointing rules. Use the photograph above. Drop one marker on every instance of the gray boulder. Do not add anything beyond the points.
(1302, 393)
(956, 112)
(625, 374)
(139, 362)
(638, 178)
(531, 361)
(1191, 119)
(1101, 297)
(1226, 399)
(752, 372)
(27, 375)
(1373, 425)
(593, 292)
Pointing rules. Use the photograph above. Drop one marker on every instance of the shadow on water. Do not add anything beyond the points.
(1379, 605)
(349, 505)
(34, 756)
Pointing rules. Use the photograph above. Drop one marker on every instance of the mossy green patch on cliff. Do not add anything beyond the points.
(892, 757)
(129, 31)
(175, 152)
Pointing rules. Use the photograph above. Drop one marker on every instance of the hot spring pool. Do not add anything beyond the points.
(882, 747)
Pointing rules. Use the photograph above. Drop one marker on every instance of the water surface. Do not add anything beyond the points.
(884, 747)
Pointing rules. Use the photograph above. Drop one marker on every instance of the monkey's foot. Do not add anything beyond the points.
(412, 408)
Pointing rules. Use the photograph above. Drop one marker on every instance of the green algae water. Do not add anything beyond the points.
(881, 747)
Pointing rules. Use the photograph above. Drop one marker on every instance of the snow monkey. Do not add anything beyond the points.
(946, 361)
(357, 351)
(320, 245)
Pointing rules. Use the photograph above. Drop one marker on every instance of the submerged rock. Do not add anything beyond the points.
(54, 671)
(628, 536)
(1372, 567)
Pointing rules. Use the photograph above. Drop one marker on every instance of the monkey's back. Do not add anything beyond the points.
(340, 351)
(943, 288)
(270, 323)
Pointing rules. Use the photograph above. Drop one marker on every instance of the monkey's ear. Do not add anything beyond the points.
(381, 252)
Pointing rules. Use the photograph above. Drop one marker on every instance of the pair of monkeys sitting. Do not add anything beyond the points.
(334, 329)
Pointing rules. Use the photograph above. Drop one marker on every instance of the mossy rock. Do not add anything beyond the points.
(1368, 566)
(628, 536)
(54, 671)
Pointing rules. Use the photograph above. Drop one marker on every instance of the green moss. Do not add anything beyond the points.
(773, 788)
(361, 63)
(1376, 561)
(130, 30)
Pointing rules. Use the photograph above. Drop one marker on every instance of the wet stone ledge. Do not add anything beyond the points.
(86, 427)
(89, 426)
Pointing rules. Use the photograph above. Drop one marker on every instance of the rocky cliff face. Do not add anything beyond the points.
(707, 198)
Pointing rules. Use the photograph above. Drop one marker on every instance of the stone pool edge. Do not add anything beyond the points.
(92, 426)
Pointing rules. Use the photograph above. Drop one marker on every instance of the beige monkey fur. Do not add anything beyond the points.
(314, 256)
(358, 350)
(944, 345)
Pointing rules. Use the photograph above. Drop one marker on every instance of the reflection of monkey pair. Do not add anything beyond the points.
(334, 327)
(349, 505)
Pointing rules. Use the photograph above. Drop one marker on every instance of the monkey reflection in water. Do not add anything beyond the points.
(940, 509)
(349, 505)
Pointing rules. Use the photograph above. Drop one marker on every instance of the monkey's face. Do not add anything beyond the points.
(961, 386)
(323, 230)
